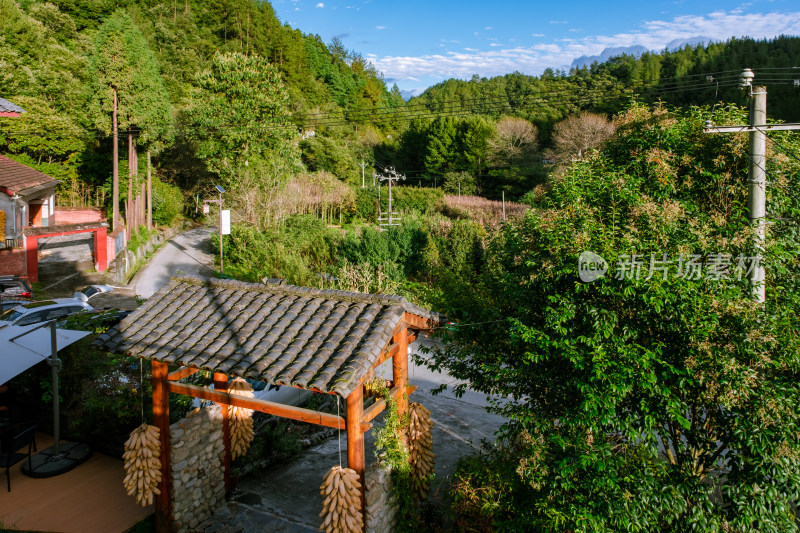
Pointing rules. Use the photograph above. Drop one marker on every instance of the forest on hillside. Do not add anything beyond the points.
(334, 116)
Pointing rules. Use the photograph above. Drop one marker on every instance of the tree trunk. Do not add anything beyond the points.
(149, 193)
(115, 166)
(129, 204)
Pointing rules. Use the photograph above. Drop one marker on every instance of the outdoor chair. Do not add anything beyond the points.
(11, 443)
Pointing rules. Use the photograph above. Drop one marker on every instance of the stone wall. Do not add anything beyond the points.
(198, 475)
(381, 502)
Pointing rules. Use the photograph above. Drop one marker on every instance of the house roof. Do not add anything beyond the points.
(325, 340)
(16, 178)
(8, 107)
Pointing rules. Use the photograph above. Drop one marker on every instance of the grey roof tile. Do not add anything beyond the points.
(286, 335)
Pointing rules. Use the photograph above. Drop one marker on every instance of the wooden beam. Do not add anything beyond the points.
(391, 350)
(417, 322)
(163, 509)
(355, 442)
(380, 404)
(400, 368)
(271, 408)
(184, 372)
(374, 410)
(221, 385)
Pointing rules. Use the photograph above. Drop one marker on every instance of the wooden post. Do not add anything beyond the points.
(221, 384)
(400, 368)
(355, 441)
(115, 167)
(163, 511)
(149, 192)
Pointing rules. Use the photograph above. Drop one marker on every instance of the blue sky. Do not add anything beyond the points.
(418, 43)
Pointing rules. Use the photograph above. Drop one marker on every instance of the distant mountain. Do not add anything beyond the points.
(636, 51)
(585, 61)
(677, 44)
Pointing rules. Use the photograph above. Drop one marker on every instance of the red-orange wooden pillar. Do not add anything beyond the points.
(163, 512)
(355, 441)
(221, 384)
(400, 368)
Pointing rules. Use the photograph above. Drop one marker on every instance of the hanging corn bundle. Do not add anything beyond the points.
(143, 464)
(241, 419)
(420, 448)
(341, 505)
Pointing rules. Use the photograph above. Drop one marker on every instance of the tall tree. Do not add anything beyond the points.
(127, 91)
(239, 120)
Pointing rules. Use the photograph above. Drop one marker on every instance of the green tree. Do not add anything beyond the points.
(127, 91)
(237, 116)
(647, 400)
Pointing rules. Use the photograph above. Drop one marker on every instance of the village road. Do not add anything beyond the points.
(188, 253)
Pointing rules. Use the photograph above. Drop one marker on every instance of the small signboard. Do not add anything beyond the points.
(206, 209)
(226, 222)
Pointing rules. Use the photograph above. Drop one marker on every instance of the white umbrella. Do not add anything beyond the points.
(30, 345)
(21, 348)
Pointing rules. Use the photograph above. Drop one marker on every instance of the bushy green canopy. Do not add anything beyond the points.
(123, 61)
(646, 402)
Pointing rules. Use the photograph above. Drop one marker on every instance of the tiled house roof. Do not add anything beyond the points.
(285, 335)
(16, 178)
(8, 107)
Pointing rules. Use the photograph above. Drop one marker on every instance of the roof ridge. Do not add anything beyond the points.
(274, 285)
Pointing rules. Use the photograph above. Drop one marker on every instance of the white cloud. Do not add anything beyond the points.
(537, 34)
(653, 34)
(559, 22)
(488, 28)
(380, 27)
(320, 5)
(495, 44)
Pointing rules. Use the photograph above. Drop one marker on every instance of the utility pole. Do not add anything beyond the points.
(363, 166)
(390, 218)
(756, 175)
(220, 190)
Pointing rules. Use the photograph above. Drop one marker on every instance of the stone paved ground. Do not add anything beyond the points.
(289, 492)
(239, 517)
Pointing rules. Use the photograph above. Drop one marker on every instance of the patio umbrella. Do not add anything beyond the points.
(21, 348)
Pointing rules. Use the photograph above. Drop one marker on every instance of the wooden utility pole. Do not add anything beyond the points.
(757, 173)
(115, 167)
(149, 193)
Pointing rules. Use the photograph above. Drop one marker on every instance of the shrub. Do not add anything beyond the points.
(167, 203)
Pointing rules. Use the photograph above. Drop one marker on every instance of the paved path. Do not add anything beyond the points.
(188, 253)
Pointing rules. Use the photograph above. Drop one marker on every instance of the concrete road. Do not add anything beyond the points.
(188, 253)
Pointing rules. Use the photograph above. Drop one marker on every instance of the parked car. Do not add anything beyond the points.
(35, 312)
(15, 288)
(87, 292)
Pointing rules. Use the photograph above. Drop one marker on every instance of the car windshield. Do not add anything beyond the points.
(11, 315)
(90, 291)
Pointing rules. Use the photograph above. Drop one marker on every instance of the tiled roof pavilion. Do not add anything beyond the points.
(325, 340)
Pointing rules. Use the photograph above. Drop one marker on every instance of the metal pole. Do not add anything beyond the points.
(390, 201)
(504, 205)
(221, 266)
(55, 365)
(756, 187)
